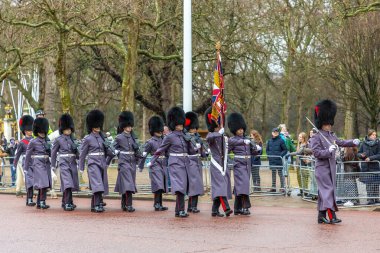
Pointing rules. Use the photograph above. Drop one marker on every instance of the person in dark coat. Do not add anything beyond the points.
(157, 172)
(220, 174)
(37, 158)
(196, 152)
(23, 173)
(243, 149)
(65, 148)
(177, 148)
(370, 153)
(276, 149)
(95, 149)
(324, 146)
(128, 151)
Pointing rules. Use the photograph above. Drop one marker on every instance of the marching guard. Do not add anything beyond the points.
(65, 148)
(37, 161)
(95, 148)
(177, 148)
(220, 174)
(157, 171)
(26, 127)
(196, 151)
(324, 145)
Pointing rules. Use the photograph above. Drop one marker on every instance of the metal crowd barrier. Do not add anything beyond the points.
(6, 172)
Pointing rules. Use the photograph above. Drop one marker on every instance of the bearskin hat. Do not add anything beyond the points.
(175, 117)
(26, 123)
(125, 119)
(156, 125)
(211, 124)
(191, 121)
(324, 113)
(236, 122)
(40, 125)
(94, 119)
(66, 122)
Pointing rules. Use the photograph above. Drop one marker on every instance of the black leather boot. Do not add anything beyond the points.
(182, 214)
(42, 205)
(30, 202)
(194, 204)
(332, 217)
(98, 209)
(163, 208)
(322, 218)
(130, 209)
(68, 207)
(217, 214)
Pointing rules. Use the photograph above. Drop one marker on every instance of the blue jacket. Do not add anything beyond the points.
(276, 147)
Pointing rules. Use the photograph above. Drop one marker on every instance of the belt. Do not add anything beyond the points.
(40, 156)
(127, 152)
(179, 154)
(96, 153)
(67, 155)
(243, 156)
(161, 157)
(194, 155)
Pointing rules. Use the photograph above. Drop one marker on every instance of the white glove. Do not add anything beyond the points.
(53, 175)
(247, 141)
(149, 164)
(356, 142)
(221, 131)
(198, 145)
(117, 152)
(258, 148)
(332, 148)
(145, 154)
(81, 172)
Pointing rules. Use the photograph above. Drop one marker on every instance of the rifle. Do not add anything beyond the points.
(108, 145)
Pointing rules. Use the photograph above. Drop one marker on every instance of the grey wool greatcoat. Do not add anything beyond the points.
(127, 162)
(63, 149)
(92, 145)
(179, 164)
(37, 160)
(20, 153)
(325, 167)
(242, 166)
(157, 172)
(220, 185)
(195, 173)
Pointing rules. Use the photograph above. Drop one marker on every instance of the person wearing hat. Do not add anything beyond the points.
(157, 171)
(128, 152)
(196, 151)
(324, 146)
(220, 174)
(177, 147)
(22, 176)
(93, 147)
(66, 149)
(41, 114)
(276, 149)
(37, 161)
(243, 149)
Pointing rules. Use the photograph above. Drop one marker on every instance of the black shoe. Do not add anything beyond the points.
(189, 210)
(245, 211)
(182, 214)
(124, 208)
(217, 214)
(238, 211)
(103, 203)
(333, 218)
(322, 218)
(272, 190)
(42, 205)
(164, 208)
(68, 207)
(371, 202)
(158, 207)
(195, 210)
(30, 203)
(97, 209)
(228, 212)
(73, 205)
(130, 209)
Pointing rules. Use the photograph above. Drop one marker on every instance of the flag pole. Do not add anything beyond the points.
(218, 46)
(187, 57)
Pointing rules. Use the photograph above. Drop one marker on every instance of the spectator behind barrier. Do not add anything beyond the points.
(256, 161)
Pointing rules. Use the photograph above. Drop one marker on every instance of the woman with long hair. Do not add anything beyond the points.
(256, 161)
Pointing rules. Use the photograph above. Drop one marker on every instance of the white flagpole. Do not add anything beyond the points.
(187, 57)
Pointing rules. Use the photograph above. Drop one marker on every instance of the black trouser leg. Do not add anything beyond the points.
(157, 199)
(282, 179)
(274, 178)
(224, 203)
(123, 198)
(189, 204)
(93, 201)
(245, 201)
(29, 194)
(42, 194)
(215, 205)
(238, 204)
(194, 201)
(128, 198)
(70, 197)
(97, 198)
(180, 202)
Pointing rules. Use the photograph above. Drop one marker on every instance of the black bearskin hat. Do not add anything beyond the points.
(176, 116)
(40, 125)
(211, 124)
(156, 125)
(126, 119)
(66, 122)
(94, 119)
(26, 123)
(191, 121)
(324, 113)
(236, 122)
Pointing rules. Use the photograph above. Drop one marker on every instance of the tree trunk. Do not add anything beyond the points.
(264, 114)
(50, 105)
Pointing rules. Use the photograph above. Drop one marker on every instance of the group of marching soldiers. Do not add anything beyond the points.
(179, 153)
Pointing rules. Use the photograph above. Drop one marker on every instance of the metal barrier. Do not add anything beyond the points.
(6, 172)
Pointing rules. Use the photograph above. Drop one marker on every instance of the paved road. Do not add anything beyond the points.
(268, 229)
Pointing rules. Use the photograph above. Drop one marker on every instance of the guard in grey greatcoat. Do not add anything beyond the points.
(94, 147)
(26, 127)
(157, 172)
(220, 174)
(65, 148)
(128, 151)
(37, 159)
(324, 145)
(177, 148)
(243, 149)
(196, 151)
